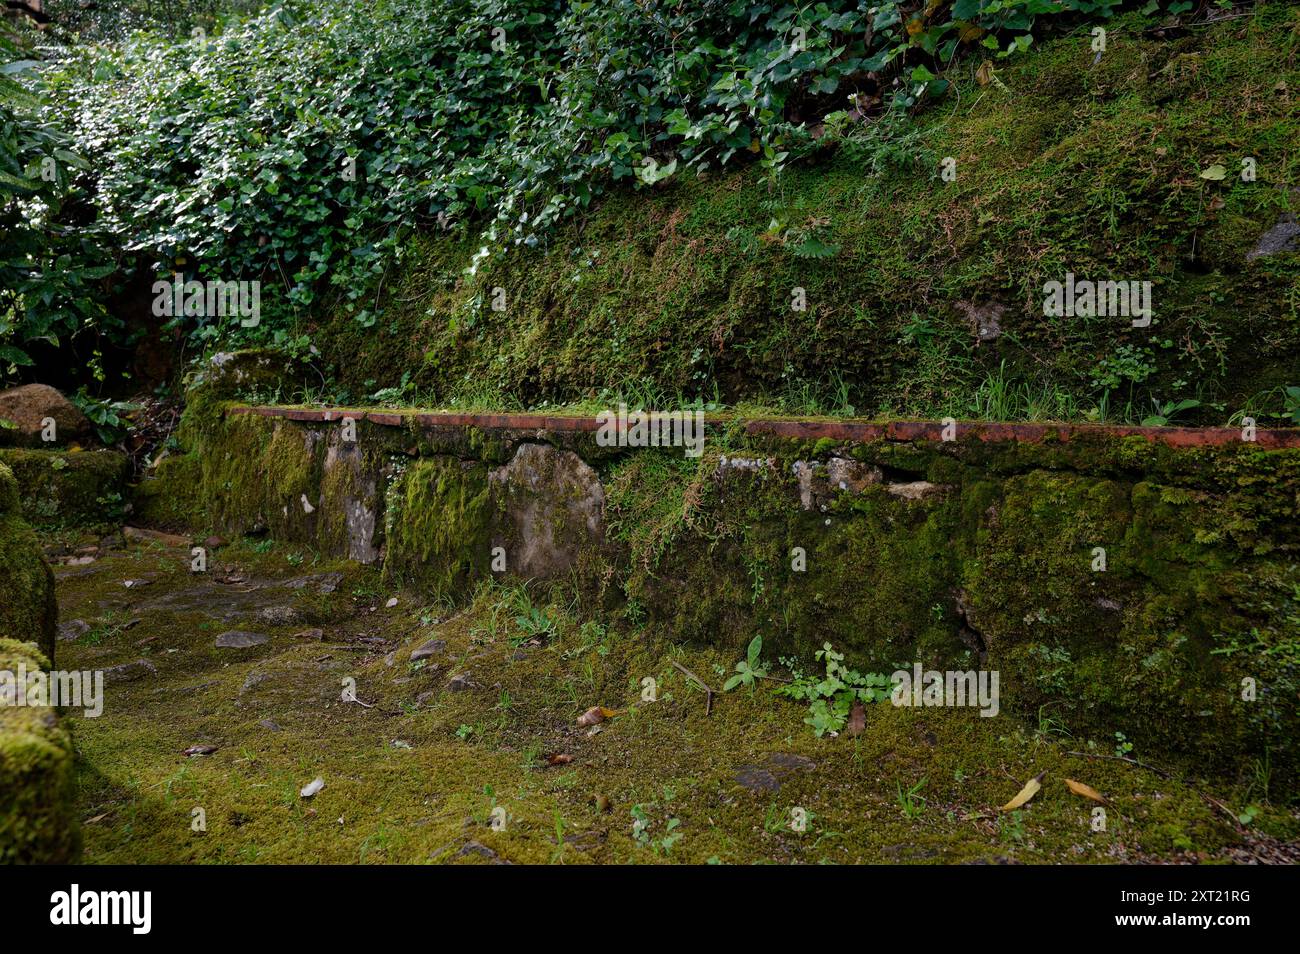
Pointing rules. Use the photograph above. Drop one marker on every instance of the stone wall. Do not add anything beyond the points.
(1121, 581)
(37, 817)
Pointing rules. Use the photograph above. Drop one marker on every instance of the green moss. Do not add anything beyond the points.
(69, 488)
(38, 815)
(27, 607)
(437, 525)
(993, 566)
(171, 496)
(463, 754)
(1064, 165)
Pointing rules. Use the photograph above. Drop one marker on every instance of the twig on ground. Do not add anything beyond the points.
(708, 693)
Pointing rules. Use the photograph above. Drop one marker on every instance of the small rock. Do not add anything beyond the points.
(459, 682)
(430, 648)
(254, 680)
(312, 787)
(916, 490)
(73, 629)
(270, 724)
(237, 639)
(138, 535)
(1282, 237)
(278, 615)
(392, 601)
(310, 634)
(129, 672)
(135, 584)
(200, 750)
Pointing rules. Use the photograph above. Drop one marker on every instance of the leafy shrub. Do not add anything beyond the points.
(49, 273)
(830, 698)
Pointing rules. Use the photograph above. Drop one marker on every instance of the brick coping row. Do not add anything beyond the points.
(848, 431)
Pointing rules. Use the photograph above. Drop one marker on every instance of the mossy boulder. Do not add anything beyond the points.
(27, 608)
(27, 411)
(69, 488)
(253, 372)
(38, 814)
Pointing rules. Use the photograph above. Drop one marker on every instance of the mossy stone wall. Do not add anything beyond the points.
(27, 608)
(59, 488)
(38, 815)
(1183, 635)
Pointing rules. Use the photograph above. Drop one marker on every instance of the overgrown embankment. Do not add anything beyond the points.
(862, 278)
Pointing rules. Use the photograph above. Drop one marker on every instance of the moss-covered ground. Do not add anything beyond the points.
(415, 769)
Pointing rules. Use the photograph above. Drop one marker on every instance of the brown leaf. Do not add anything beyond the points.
(1029, 791)
(592, 716)
(559, 758)
(1087, 791)
(984, 75)
(857, 718)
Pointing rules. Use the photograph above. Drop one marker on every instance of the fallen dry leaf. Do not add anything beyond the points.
(857, 718)
(597, 714)
(1087, 791)
(559, 758)
(1029, 791)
